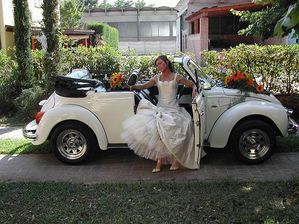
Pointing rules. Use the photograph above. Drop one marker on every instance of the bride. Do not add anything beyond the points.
(163, 133)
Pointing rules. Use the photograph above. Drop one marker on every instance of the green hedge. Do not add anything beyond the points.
(109, 34)
(8, 69)
(275, 65)
(96, 59)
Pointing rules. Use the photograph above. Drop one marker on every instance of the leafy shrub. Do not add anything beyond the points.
(7, 95)
(109, 33)
(277, 66)
(7, 68)
(214, 64)
(38, 67)
(147, 66)
(7, 83)
(27, 102)
(95, 59)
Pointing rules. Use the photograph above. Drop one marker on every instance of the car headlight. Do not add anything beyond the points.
(289, 111)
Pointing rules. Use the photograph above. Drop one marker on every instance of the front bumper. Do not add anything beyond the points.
(29, 131)
(292, 127)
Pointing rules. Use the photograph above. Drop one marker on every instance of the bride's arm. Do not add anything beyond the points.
(146, 85)
(188, 83)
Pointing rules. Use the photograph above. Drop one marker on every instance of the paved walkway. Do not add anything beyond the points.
(11, 133)
(121, 165)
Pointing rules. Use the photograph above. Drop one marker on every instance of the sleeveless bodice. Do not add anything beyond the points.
(167, 93)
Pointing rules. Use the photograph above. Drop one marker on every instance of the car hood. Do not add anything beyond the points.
(237, 92)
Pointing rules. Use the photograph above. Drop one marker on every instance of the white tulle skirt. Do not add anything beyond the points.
(158, 132)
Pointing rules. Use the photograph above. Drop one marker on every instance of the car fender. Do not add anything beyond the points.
(224, 125)
(63, 113)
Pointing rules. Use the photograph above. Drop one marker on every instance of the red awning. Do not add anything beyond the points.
(225, 10)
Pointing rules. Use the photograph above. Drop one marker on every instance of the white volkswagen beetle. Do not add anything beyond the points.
(82, 116)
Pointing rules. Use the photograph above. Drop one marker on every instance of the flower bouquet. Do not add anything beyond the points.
(243, 82)
(117, 80)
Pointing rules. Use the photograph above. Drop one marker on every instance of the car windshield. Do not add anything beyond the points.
(201, 76)
(79, 74)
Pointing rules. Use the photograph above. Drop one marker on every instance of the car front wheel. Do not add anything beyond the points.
(253, 141)
(73, 142)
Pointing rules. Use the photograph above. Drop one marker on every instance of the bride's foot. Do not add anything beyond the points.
(158, 167)
(156, 170)
(175, 165)
(172, 168)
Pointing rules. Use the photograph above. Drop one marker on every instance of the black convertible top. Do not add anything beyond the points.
(72, 87)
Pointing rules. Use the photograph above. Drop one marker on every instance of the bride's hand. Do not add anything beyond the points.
(194, 93)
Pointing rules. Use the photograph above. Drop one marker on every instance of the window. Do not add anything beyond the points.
(224, 25)
(164, 29)
(145, 30)
(174, 29)
(155, 29)
(214, 25)
(227, 24)
(192, 27)
(128, 29)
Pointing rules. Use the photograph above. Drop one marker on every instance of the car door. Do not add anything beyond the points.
(198, 109)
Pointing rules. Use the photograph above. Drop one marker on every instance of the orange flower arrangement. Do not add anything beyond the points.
(117, 79)
(240, 80)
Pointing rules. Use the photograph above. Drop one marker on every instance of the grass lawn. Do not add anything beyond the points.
(22, 147)
(170, 202)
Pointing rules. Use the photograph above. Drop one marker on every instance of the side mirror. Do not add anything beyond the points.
(133, 77)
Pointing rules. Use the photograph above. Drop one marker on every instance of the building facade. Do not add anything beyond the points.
(7, 20)
(209, 25)
(147, 30)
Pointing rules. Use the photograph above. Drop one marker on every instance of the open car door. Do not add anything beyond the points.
(198, 110)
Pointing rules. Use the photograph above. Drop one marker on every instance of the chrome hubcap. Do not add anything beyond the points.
(254, 144)
(71, 144)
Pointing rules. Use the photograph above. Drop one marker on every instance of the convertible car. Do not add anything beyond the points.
(84, 115)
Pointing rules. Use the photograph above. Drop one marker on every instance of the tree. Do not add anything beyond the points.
(122, 4)
(278, 18)
(105, 5)
(51, 31)
(22, 41)
(89, 4)
(141, 4)
(71, 12)
(289, 22)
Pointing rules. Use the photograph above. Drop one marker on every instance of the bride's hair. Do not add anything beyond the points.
(166, 60)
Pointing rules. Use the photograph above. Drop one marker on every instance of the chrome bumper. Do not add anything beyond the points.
(292, 127)
(29, 131)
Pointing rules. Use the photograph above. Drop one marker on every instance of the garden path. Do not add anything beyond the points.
(121, 165)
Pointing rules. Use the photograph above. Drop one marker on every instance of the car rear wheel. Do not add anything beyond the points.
(253, 141)
(73, 142)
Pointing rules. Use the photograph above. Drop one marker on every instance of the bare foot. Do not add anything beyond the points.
(158, 166)
(175, 165)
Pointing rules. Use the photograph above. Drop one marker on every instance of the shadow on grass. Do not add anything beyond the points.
(288, 144)
(9, 146)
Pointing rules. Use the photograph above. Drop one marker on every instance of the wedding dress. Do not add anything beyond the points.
(163, 131)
